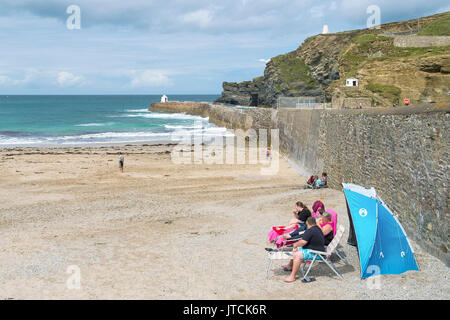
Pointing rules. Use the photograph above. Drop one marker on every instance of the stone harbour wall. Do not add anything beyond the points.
(228, 117)
(421, 41)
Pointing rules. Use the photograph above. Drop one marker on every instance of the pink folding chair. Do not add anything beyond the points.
(333, 219)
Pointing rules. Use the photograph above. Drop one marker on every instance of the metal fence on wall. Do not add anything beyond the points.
(302, 103)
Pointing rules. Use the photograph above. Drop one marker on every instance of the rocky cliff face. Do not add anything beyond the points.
(321, 64)
(245, 93)
(308, 71)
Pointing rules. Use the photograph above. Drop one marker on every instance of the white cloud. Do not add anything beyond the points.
(67, 79)
(177, 43)
(4, 80)
(318, 12)
(201, 18)
(333, 6)
(31, 76)
(264, 60)
(149, 78)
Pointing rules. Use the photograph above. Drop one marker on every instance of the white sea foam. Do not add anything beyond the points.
(10, 141)
(117, 137)
(158, 115)
(180, 116)
(136, 110)
(168, 126)
(95, 124)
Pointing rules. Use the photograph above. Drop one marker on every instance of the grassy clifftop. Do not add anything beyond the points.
(293, 70)
(439, 27)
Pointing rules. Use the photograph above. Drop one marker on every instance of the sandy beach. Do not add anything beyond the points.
(166, 231)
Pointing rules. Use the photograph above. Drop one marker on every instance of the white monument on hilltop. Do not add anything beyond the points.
(164, 98)
(325, 29)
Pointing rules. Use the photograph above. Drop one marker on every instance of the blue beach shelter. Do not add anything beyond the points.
(383, 246)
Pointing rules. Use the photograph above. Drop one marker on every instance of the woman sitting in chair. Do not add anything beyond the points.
(325, 223)
(301, 213)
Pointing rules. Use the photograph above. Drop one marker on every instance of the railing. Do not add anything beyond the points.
(400, 33)
(301, 103)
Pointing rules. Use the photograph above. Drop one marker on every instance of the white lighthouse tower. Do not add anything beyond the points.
(325, 29)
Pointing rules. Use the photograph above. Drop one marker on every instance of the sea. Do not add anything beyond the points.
(59, 120)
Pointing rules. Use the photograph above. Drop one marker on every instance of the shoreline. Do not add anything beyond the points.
(94, 145)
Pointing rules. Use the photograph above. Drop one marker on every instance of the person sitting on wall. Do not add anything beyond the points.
(312, 239)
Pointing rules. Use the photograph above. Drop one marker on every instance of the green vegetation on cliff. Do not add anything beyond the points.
(372, 47)
(292, 70)
(388, 91)
(362, 48)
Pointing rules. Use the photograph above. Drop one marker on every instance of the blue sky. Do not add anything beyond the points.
(171, 46)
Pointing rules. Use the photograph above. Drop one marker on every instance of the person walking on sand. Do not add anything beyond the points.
(121, 161)
(268, 154)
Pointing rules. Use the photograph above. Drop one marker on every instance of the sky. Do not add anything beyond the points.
(170, 46)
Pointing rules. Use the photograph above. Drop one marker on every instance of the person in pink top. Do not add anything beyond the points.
(325, 223)
(316, 207)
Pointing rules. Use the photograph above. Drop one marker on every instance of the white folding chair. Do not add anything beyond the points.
(325, 256)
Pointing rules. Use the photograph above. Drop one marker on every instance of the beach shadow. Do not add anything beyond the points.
(322, 270)
(319, 270)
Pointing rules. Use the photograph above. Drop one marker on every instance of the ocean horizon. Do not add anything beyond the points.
(66, 120)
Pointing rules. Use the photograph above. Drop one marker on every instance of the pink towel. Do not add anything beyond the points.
(280, 242)
(278, 231)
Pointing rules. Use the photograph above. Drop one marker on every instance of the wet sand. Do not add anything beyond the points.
(165, 231)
